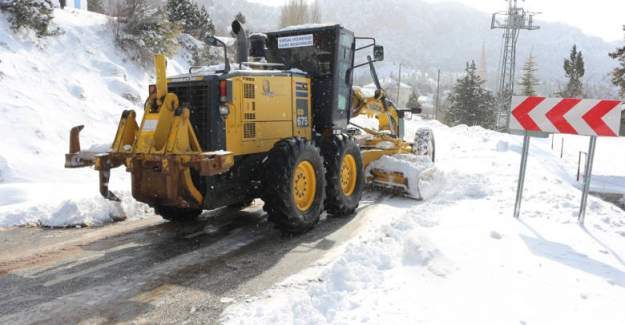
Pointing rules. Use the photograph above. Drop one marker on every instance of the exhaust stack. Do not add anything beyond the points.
(240, 33)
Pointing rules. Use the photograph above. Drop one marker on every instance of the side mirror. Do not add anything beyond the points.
(212, 41)
(416, 110)
(378, 52)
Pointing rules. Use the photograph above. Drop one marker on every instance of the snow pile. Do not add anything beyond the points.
(87, 211)
(48, 86)
(461, 257)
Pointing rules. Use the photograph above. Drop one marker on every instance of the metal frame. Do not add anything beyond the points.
(587, 177)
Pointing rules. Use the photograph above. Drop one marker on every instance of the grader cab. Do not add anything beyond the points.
(276, 127)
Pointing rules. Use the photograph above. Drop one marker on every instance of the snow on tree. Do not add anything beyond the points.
(36, 15)
(469, 103)
(574, 71)
(96, 6)
(618, 74)
(142, 30)
(528, 80)
(192, 19)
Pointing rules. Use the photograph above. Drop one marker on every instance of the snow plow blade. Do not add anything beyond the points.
(409, 175)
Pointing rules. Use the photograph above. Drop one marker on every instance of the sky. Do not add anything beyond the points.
(601, 18)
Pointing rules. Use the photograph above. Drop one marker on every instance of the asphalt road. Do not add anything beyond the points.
(151, 271)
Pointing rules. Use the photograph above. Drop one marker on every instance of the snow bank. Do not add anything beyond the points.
(461, 258)
(49, 85)
(88, 211)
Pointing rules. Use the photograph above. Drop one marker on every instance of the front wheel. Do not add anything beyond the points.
(294, 185)
(344, 175)
(424, 144)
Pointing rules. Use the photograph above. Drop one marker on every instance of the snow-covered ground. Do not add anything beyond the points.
(609, 163)
(48, 86)
(461, 258)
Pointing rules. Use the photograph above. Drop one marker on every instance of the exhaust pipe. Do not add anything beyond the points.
(239, 32)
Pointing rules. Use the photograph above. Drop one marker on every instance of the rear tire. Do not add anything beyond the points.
(344, 175)
(177, 214)
(294, 185)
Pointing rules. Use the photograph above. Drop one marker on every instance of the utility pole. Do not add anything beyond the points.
(398, 84)
(512, 22)
(438, 94)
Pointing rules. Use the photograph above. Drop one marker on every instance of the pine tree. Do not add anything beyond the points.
(36, 15)
(191, 19)
(206, 27)
(96, 6)
(469, 102)
(574, 70)
(413, 100)
(618, 75)
(142, 29)
(528, 80)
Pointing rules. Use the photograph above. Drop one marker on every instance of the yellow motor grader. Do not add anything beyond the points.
(276, 127)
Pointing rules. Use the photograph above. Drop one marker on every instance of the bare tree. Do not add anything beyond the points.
(294, 12)
(315, 12)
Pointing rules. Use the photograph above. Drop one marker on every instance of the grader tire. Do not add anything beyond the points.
(344, 175)
(174, 214)
(294, 185)
(425, 144)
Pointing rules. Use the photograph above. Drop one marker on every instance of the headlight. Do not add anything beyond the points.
(224, 110)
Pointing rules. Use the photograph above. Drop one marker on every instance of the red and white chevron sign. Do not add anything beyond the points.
(566, 115)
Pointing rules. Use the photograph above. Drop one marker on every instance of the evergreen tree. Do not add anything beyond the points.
(36, 15)
(413, 100)
(469, 102)
(191, 19)
(528, 80)
(618, 75)
(96, 6)
(574, 70)
(142, 30)
(206, 26)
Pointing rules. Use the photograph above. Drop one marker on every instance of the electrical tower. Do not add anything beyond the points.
(512, 22)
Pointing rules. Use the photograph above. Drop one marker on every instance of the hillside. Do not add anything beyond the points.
(427, 36)
(48, 86)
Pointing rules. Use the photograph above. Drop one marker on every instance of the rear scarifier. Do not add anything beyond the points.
(344, 176)
(294, 186)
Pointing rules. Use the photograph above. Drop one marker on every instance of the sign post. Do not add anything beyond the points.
(587, 177)
(536, 116)
(521, 183)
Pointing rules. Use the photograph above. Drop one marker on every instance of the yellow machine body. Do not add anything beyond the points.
(163, 151)
(264, 110)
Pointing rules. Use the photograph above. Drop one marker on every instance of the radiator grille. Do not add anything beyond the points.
(250, 116)
(248, 91)
(249, 130)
